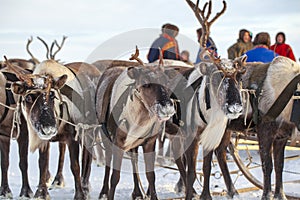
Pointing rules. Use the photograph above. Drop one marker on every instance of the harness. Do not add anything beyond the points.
(207, 102)
(9, 101)
(295, 116)
(8, 93)
(196, 105)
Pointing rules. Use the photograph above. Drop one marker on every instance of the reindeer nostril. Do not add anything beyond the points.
(236, 108)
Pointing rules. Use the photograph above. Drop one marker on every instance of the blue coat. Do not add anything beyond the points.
(260, 54)
(212, 46)
(169, 49)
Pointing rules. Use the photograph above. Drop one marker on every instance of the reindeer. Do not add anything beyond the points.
(42, 112)
(274, 84)
(215, 100)
(13, 124)
(131, 103)
(9, 129)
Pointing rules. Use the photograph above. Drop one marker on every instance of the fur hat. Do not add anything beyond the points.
(262, 38)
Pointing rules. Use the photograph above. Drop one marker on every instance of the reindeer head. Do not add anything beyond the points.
(151, 90)
(38, 94)
(224, 80)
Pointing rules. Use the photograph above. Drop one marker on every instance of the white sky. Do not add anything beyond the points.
(96, 29)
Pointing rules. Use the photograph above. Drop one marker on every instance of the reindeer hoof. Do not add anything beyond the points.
(80, 196)
(103, 197)
(58, 182)
(280, 196)
(42, 193)
(26, 192)
(137, 196)
(179, 188)
(5, 193)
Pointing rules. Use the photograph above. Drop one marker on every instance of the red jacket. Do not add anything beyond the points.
(283, 50)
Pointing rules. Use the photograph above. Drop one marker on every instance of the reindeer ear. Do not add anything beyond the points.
(18, 88)
(243, 58)
(133, 72)
(203, 68)
(60, 81)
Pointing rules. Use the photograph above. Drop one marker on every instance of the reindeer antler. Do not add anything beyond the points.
(31, 55)
(203, 20)
(20, 72)
(52, 56)
(135, 56)
(161, 57)
(46, 45)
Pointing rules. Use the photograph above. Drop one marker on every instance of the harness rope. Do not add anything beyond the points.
(16, 118)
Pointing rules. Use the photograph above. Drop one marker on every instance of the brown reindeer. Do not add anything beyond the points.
(11, 128)
(131, 104)
(42, 112)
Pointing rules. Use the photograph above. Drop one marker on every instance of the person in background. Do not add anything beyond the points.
(261, 51)
(210, 44)
(185, 57)
(281, 47)
(167, 43)
(242, 45)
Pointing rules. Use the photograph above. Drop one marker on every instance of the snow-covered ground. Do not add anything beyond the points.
(165, 178)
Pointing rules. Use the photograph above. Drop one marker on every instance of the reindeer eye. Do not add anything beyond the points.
(28, 99)
(146, 85)
(52, 95)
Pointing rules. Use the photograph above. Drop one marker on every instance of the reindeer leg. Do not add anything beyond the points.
(4, 189)
(59, 178)
(136, 194)
(206, 171)
(161, 141)
(191, 158)
(75, 168)
(177, 149)
(117, 162)
(86, 168)
(149, 157)
(23, 163)
(176, 144)
(265, 137)
(108, 156)
(278, 155)
(42, 191)
(221, 155)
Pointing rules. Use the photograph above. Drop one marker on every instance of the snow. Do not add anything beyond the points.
(165, 178)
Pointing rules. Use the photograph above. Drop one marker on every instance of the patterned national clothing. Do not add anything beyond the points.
(168, 46)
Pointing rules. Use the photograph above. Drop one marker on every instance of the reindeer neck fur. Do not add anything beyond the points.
(215, 118)
(34, 141)
(134, 120)
(281, 71)
(137, 122)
